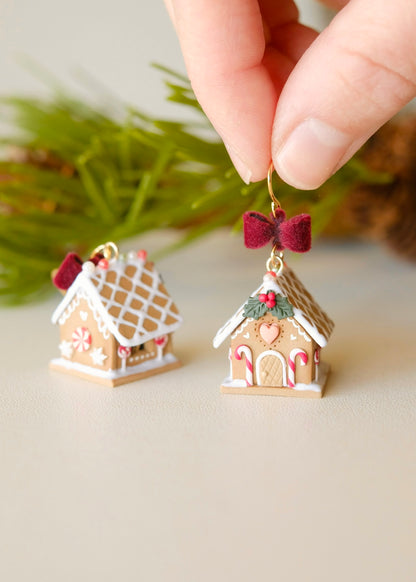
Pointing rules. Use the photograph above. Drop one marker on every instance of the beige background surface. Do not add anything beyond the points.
(168, 480)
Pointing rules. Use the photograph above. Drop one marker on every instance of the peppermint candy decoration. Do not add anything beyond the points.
(81, 339)
(124, 352)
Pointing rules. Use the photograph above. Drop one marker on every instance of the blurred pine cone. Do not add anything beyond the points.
(386, 212)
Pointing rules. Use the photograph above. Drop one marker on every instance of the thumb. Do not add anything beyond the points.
(356, 75)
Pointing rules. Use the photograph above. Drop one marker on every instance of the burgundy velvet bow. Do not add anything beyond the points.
(69, 270)
(293, 234)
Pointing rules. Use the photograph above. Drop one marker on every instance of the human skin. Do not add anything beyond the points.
(277, 90)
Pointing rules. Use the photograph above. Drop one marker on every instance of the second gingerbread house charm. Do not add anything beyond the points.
(276, 339)
(116, 318)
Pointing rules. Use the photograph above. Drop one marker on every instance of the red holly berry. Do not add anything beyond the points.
(103, 264)
(271, 296)
(270, 303)
(263, 297)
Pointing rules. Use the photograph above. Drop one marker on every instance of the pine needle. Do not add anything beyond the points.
(74, 177)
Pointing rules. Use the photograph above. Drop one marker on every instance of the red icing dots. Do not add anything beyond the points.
(103, 264)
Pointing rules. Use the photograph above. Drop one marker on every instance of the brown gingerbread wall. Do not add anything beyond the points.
(88, 321)
(149, 352)
(290, 337)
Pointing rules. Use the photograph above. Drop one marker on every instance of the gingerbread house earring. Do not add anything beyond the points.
(276, 336)
(116, 319)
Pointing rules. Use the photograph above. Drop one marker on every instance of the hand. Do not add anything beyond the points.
(273, 88)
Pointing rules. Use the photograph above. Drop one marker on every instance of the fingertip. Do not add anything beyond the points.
(310, 154)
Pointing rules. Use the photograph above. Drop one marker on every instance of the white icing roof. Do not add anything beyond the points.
(130, 299)
(305, 309)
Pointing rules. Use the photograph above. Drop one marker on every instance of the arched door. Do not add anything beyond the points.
(271, 369)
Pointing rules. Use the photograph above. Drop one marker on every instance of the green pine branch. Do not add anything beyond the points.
(73, 177)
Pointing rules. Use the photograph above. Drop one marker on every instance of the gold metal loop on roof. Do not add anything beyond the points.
(275, 202)
(275, 261)
(108, 249)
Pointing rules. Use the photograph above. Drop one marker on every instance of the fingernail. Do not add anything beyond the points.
(311, 153)
(241, 167)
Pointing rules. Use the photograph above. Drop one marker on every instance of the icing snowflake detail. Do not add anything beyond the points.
(98, 357)
(66, 348)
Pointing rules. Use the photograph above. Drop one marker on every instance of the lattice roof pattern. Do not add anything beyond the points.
(306, 311)
(131, 299)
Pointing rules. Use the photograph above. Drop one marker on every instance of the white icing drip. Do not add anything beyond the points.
(240, 329)
(141, 357)
(114, 374)
(102, 327)
(278, 285)
(301, 332)
(69, 310)
(310, 329)
(122, 299)
(232, 323)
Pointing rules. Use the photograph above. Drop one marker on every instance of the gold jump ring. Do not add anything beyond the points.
(275, 202)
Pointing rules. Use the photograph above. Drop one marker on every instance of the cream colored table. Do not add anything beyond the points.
(168, 480)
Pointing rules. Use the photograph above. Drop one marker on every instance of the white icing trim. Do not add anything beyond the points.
(114, 374)
(301, 332)
(271, 353)
(237, 318)
(309, 328)
(232, 323)
(240, 329)
(83, 283)
(81, 294)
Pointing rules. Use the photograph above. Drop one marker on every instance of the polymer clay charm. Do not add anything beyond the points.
(277, 335)
(116, 319)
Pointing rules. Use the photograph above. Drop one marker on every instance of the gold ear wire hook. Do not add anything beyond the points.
(108, 249)
(275, 202)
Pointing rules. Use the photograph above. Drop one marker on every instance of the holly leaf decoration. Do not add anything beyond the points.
(283, 308)
(254, 308)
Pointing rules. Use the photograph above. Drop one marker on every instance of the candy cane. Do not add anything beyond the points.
(292, 364)
(316, 359)
(239, 351)
(123, 352)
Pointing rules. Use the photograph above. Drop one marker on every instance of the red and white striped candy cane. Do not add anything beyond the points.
(316, 359)
(239, 351)
(230, 358)
(292, 364)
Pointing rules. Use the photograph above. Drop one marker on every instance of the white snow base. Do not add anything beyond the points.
(115, 374)
(313, 387)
